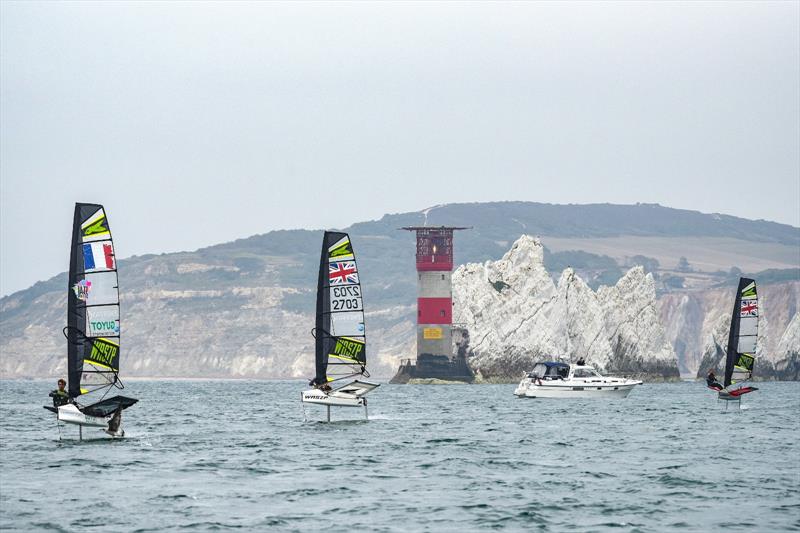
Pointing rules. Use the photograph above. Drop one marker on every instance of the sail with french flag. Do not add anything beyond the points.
(98, 256)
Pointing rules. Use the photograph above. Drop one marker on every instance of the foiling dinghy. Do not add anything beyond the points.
(560, 380)
(742, 340)
(340, 347)
(93, 328)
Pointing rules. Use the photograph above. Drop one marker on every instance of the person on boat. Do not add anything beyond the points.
(324, 387)
(60, 395)
(711, 381)
(581, 362)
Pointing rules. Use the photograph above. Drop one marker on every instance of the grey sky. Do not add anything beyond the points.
(200, 123)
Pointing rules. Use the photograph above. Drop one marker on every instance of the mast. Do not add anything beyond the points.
(93, 325)
(743, 334)
(340, 347)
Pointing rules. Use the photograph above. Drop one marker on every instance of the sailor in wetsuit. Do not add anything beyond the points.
(60, 396)
(711, 381)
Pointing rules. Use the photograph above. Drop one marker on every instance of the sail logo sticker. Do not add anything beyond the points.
(104, 327)
(749, 308)
(745, 361)
(341, 273)
(95, 227)
(81, 289)
(749, 291)
(350, 348)
(103, 351)
(341, 250)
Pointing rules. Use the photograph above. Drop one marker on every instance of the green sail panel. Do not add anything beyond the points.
(743, 336)
(340, 348)
(93, 317)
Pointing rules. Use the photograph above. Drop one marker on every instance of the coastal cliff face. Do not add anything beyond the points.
(231, 332)
(516, 315)
(699, 323)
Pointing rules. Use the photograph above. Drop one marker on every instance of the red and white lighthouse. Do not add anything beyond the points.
(434, 289)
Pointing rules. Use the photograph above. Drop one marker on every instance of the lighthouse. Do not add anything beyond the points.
(434, 262)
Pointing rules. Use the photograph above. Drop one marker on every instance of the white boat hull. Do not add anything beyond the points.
(559, 380)
(350, 395)
(580, 390)
(71, 415)
(339, 400)
(112, 424)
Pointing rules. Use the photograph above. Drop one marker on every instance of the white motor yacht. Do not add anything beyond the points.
(560, 380)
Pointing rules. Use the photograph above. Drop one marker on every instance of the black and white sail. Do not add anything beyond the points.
(93, 319)
(743, 334)
(340, 333)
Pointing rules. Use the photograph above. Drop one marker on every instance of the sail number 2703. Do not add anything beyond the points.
(346, 298)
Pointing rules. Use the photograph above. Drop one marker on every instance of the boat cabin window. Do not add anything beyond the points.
(553, 372)
(538, 370)
(585, 373)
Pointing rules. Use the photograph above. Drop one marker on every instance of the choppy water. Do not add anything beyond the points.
(211, 455)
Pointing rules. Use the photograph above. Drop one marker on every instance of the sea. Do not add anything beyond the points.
(245, 455)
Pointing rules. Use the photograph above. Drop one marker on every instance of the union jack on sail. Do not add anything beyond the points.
(749, 308)
(342, 273)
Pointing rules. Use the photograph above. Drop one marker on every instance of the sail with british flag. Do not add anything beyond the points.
(340, 332)
(743, 335)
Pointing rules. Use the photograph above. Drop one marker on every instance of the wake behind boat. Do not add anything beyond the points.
(93, 328)
(742, 341)
(340, 347)
(560, 380)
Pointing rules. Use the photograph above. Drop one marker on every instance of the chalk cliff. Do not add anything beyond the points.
(517, 315)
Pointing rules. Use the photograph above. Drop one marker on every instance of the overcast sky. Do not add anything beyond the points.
(200, 123)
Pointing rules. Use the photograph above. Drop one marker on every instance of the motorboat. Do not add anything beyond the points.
(561, 380)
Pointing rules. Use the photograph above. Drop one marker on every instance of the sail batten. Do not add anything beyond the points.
(93, 318)
(743, 336)
(340, 347)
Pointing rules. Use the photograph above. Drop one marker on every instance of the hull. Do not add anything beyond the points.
(110, 423)
(735, 394)
(576, 389)
(320, 398)
(350, 395)
(621, 391)
(70, 414)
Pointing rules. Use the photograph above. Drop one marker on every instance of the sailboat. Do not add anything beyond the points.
(340, 335)
(741, 355)
(93, 327)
